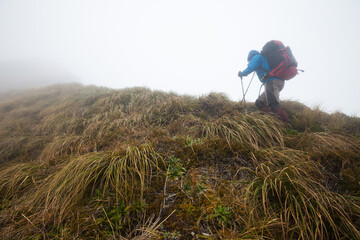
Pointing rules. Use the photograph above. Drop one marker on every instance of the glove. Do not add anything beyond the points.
(240, 74)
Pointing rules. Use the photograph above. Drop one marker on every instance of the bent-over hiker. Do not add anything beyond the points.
(269, 100)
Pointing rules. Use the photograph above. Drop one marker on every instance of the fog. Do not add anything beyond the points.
(21, 75)
(189, 47)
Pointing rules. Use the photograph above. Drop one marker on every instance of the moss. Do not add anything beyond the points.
(189, 216)
(351, 180)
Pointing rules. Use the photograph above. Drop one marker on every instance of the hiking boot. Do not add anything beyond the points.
(282, 115)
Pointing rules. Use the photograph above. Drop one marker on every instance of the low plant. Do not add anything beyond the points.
(222, 215)
(175, 168)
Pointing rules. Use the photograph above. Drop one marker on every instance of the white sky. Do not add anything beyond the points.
(191, 46)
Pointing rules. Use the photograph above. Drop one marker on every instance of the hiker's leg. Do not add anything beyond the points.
(273, 90)
(261, 101)
(261, 104)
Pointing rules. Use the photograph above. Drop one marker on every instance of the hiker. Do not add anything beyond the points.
(269, 100)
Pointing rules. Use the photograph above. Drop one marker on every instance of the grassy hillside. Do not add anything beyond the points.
(81, 162)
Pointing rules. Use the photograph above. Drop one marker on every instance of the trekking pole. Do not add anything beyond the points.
(247, 88)
(242, 86)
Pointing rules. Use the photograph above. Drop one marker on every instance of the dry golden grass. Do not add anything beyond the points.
(304, 118)
(254, 131)
(19, 178)
(324, 142)
(298, 203)
(95, 163)
(53, 199)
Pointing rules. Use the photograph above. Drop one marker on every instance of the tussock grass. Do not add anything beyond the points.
(19, 178)
(22, 148)
(65, 188)
(322, 142)
(95, 163)
(330, 148)
(298, 203)
(124, 176)
(57, 125)
(338, 155)
(305, 118)
(67, 145)
(138, 166)
(253, 131)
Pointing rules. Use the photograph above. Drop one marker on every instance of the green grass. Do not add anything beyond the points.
(83, 162)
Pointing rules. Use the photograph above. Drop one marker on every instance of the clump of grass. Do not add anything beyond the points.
(253, 131)
(299, 205)
(329, 148)
(20, 148)
(19, 178)
(214, 103)
(321, 142)
(63, 189)
(127, 176)
(131, 174)
(66, 146)
(338, 155)
(316, 120)
(57, 125)
(282, 156)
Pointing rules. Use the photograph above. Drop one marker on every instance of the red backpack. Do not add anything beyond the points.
(282, 62)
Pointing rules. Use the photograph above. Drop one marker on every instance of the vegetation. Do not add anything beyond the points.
(83, 162)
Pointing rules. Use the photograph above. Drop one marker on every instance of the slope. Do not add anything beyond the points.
(96, 163)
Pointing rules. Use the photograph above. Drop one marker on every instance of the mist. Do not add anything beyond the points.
(21, 75)
(188, 47)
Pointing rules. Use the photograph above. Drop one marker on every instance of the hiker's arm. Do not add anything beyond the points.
(252, 66)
